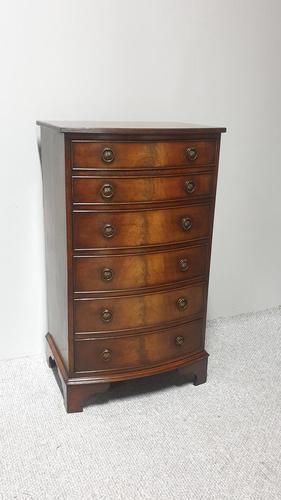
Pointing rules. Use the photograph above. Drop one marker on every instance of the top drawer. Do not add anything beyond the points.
(138, 155)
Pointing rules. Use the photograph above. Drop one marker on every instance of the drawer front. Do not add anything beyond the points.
(141, 228)
(147, 189)
(137, 271)
(139, 155)
(135, 351)
(137, 311)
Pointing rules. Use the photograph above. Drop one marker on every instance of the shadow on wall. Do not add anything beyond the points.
(39, 151)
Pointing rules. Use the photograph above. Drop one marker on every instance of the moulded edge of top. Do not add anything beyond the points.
(91, 127)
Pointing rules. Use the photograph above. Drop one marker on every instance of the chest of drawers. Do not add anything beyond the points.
(128, 227)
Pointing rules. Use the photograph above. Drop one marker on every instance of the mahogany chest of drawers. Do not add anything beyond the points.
(128, 227)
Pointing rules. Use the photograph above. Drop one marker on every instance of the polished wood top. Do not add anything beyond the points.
(92, 127)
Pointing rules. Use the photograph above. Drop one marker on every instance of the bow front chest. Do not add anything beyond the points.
(128, 226)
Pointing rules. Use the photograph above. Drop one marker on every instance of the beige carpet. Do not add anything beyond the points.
(151, 439)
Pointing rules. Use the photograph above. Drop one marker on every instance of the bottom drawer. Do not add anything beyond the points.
(136, 351)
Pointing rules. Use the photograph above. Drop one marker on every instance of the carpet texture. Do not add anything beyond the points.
(151, 439)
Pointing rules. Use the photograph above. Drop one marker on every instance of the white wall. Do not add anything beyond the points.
(204, 61)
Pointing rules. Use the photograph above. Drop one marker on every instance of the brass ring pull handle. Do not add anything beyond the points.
(191, 154)
(105, 354)
(186, 223)
(183, 264)
(189, 186)
(106, 315)
(107, 155)
(107, 191)
(182, 303)
(179, 340)
(108, 231)
(107, 274)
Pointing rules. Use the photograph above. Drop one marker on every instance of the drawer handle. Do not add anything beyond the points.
(186, 223)
(108, 231)
(183, 264)
(105, 354)
(106, 315)
(182, 303)
(179, 340)
(190, 186)
(107, 274)
(191, 154)
(107, 191)
(107, 155)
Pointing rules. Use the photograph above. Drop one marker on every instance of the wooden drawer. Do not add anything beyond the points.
(135, 351)
(104, 273)
(137, 311)
(146, 189)
(120, 229)
(137, 155)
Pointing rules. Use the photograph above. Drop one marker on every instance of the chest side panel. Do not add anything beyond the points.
(53, 169)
